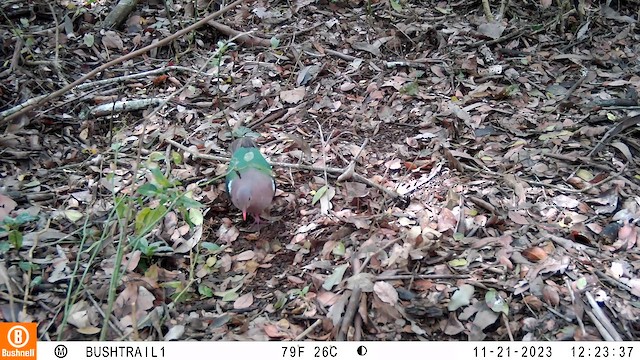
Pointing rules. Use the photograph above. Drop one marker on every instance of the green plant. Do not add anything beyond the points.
(12, 227)
(159, 196)
(294, 293)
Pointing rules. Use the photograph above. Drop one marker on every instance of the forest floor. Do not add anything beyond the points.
(439, 176)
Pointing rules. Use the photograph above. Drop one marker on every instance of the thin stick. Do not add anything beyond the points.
(411, 276)
(601, 329)
(308, 330)
(506, 324)
(602, 317)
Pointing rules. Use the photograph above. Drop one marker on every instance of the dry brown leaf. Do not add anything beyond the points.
(293, 96)
(272, 331)
(386, 292)
(533, 301)
(534, 254)
(6, 206)
(551, 295)
(243, 301)
(453, 325)
(327, 298)
(518, 218)
(446, 220)
(227, 232)
(111, 40)
(245, 255)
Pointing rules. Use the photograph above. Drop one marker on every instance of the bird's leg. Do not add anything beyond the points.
(257, 223)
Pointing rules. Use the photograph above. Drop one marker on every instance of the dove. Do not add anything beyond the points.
(249, 179)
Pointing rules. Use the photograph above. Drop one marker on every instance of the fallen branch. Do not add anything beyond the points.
(349, 314)
(122, 9)
(124, 78)
(241, 37)
(603, 318)
(308, 330)
(413, 276)
(124, 106)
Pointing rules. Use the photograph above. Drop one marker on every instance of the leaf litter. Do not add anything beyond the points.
(440, 178)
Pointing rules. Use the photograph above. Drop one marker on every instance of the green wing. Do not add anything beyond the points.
(244, 158)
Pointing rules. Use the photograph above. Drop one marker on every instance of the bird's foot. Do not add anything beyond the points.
(257, 224)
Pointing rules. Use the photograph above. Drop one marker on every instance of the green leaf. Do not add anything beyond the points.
(230, 294)
(462, 297)
(36, 281)
(496, 302)
(443, 10)
(172, 284)
(410, 89)
(211, 247)
(585, 174)
(245, 131)
(458, 262)
(122, 207)
(9, 222)
(176, 157)
(339, 249)
(89, 40)
(15, 238)
(205, 291)
(159, 177)
(395, 4)
(141, 219)
(25, 217)
(4, 247)
(25, 265)
(73, 215)
(189, 203)
(336, 277)
(148, 189)
(275, 42)
(196, 217)
(319, 194)
(147, 218)
(156, 156)
(211, 261)
(282, 301)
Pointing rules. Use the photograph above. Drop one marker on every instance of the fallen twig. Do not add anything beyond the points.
(413, 276)
(568, 244)
(308, 330)
(241, 37)
(349, 314)
(124, 106)
(602, 317)
(124, 78)
(601, 329)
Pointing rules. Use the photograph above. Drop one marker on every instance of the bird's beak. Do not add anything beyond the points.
(244, 215)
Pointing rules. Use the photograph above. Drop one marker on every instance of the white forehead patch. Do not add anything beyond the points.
(248, 156)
